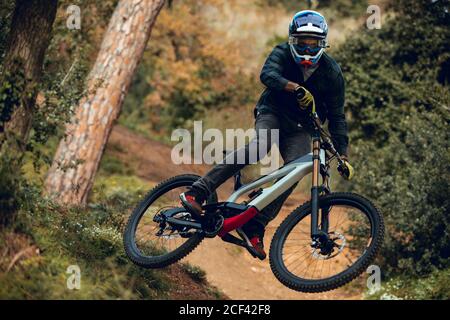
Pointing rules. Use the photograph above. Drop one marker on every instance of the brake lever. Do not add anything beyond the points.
(328, 143)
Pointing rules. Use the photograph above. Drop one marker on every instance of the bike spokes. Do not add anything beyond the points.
(156, 237)
(348, 236)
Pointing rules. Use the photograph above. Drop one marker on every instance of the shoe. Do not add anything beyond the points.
(258, 247)
(192, 201)
(253, 233)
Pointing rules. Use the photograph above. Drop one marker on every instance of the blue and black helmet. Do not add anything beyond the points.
(308, 24)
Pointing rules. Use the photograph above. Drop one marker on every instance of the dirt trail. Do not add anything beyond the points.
(228, 267)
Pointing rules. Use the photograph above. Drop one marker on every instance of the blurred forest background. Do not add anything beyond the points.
(202, 62)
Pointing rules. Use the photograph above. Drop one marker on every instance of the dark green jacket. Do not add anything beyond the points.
(326, 85)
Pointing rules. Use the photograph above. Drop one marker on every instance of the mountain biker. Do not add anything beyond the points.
(300, 65)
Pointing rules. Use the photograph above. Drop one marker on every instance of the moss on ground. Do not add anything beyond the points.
(435, 286)
(45, 239)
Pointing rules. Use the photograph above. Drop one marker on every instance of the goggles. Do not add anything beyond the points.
(307, 46)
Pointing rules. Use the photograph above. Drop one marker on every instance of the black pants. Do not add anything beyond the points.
(292, 145)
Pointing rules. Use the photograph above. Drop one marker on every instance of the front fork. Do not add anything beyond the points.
(317, 234)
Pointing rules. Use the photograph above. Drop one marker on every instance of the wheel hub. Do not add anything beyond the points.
(330, 247)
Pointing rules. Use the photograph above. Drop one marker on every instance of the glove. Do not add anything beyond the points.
(345, 169)
(304, 98)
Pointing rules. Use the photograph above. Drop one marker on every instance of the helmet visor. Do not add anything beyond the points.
(310, 19)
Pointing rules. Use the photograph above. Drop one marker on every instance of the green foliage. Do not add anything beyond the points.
(12, 85)
(111, 185)
(66, 43)
(9, 193)
(435, 286)
(399, 121)
(88, 237)
(6, 9)
(11, 88)
(44, 238)
(185, 73)
(111, 165)
(58, 92)
(344, 8)
(195, 272)
(67, 63)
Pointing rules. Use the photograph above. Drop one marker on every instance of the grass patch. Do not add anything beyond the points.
(196, 274)
(435, 286)
(127, 186)
(90, 238)
(45, 239)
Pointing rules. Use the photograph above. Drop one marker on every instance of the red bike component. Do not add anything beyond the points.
(306, 63)
(235, 222)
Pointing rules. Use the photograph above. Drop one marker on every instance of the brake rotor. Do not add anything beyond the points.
(336, 248)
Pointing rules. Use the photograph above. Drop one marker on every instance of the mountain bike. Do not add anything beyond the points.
(322, 245)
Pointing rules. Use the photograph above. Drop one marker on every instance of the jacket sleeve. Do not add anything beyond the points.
(337, 124)
(271, 74)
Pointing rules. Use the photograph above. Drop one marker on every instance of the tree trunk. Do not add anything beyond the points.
(71, 175)
(28, 39)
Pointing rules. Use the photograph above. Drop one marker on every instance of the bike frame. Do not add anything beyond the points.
(290, 174)
(287, 176)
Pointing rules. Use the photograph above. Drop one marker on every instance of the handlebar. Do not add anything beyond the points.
(326, 141)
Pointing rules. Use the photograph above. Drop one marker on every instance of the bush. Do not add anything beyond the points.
(195, 272)
(6, 10)
(185, 72)
(345, 8)
(90, 238)
(435, 286)
(399, 119)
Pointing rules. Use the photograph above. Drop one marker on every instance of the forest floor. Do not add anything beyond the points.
(228, 267)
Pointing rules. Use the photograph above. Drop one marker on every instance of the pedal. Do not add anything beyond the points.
(246, 242)
(242, 234)
(234, 240)
(243, 243)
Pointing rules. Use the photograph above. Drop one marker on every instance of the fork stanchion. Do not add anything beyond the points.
(315, 185)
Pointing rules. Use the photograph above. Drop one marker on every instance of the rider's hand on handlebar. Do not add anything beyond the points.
(345, 169)
(304, 98)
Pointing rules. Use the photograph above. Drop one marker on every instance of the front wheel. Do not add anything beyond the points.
(354, 233)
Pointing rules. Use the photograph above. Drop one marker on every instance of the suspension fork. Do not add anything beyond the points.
(315, 232)
(325, 188)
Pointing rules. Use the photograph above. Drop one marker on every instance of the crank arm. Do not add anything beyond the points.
(183, 223)
(234, 240)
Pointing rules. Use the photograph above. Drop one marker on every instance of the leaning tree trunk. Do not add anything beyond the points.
(28, 39)
(71, 175)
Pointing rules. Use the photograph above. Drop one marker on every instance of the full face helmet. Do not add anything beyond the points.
(308, 37)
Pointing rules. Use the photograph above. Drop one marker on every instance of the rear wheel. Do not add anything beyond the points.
(354, 236)
(152, 244)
